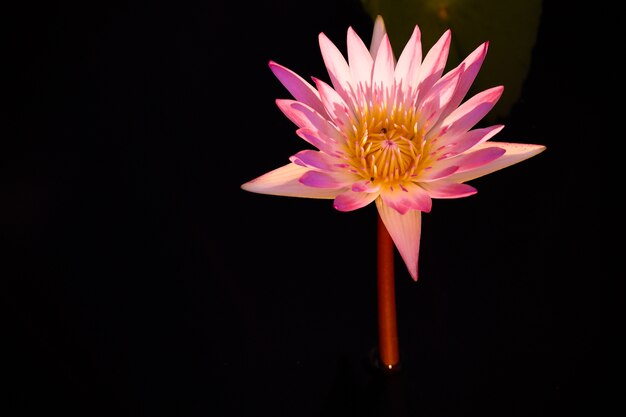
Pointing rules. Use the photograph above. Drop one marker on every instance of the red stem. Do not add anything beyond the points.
(387, 325)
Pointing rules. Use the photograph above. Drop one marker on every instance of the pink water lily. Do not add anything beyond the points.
(396, 133)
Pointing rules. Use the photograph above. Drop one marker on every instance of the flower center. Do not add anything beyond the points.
(388, 147)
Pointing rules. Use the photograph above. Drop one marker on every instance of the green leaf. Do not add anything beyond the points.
(510, 26)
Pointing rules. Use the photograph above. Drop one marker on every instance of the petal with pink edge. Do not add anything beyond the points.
(406, 197)
(438, 98)
(284, 181)
(335, 106)
(365, 186)
(471, 65)
(298, 87)
(305, 116)
(396, 199)
(478, 158)
(316, 159)
(360, 61)
(382, 75)
(337, 67)
(472, 111)
(321, 180)
(420, 200)
(377, 35)
(310, 121)
(446, 189)
(514, 153)
(407, 69)
(470, 160)
(434, 62)
(349, 200)
(438, 173)
(317, 139)
(462, 142)
(404, 230)
(334, 180)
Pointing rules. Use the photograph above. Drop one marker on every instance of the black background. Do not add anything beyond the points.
(138, 279)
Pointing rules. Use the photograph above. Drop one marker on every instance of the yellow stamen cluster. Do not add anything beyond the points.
(387, 146)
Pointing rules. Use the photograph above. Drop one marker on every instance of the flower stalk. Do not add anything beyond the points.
(387, 323)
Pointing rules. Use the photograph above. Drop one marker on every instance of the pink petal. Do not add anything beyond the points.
(438, 97)
(406, 197)
(331, 180)
(335, 106)
(465, 141)
(473, 110)
(434, 62)
(377, 35)
(445, 189)
(337, 67)
(471, 65)
(312, 122)
(316, 159)
(420, 200)
(382, 75)
(478, 158)
(319, 140)
(365, 186)
(284, 181)
(405, 232)
(408, 66)
(515, 152)
(298, 87)
(470, 160)
(399, 202)
(350, 200)
(360, 60)
(303, 115)
(437, 173)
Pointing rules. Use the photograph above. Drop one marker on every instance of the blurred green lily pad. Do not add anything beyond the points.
(510, 26)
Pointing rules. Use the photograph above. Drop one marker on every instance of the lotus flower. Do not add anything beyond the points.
(396, 133)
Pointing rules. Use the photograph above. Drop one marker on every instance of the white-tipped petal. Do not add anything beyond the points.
(360, 60)
(404, 230)
(285, 181)
(434, 62)
(383, 66)
(408, 66)
(514, 153)
(446, 189)
(334, 104)
(338, 68)
(350, 200)
(316, 159)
